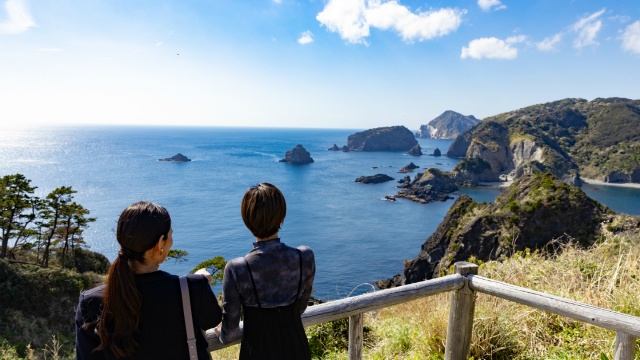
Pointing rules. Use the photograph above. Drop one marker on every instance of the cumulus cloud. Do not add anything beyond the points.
(587, 29)
(549, 43)
(492, 48)
(487, 5)
(305, 38)
(631, 38)
(352, 19)
(18, 17)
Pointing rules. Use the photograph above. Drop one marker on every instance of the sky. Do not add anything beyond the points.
(353, 64)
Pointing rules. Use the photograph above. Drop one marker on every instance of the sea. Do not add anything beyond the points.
(357, 236)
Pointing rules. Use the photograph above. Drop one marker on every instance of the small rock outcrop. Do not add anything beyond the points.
(344, 148)
(415, 151)
(374, 179)
(437, 152)
(408, 168)
(297, 155)
(535, 212)
(432, 185)
(334, 148)
(176, 158)
(393, 138)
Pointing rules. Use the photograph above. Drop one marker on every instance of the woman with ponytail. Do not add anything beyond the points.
(138, 313)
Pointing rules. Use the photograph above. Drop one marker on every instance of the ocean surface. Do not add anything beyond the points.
(356, 235)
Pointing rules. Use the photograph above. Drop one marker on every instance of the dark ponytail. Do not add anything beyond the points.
(139, 229)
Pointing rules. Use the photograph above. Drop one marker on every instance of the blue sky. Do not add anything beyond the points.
(320, 64)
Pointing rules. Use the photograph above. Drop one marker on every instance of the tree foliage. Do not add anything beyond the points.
(215, 266)
(40, 226)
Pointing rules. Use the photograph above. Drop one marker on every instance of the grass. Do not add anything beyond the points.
(606, 275)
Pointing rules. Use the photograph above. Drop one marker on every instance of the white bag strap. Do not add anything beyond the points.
(188, 321)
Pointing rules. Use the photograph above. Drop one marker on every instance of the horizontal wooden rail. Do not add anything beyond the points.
(342, 308)
(593, 315)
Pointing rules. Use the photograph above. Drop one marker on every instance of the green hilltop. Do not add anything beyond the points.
(572, 138)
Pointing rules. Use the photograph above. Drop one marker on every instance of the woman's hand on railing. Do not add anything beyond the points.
(206, 274)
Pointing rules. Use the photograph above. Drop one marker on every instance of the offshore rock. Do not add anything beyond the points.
(297, 155)
(374, 179)
(393, 138)
(415, 151)
(408, 168)
(334, 148)
(432, 185)
(344, 148)
(176, 158)
(437, 152)
(535, 212)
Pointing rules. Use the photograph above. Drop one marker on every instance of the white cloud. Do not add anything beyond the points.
(277, 1)
(492, 48)
(159, 43)
(352, 19)
(305, 38)
(549, 43)
(487, 5)
(51, 50)
(587, 29)
(631, 38)
(19, 19)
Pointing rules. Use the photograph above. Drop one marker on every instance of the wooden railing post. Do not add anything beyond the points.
(356, 331)
(463, 303)
(625, 347)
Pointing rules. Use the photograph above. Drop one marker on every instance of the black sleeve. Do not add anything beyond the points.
(207, 313)
(86, 339)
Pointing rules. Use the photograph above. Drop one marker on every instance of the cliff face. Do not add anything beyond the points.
(394, 138)
(535, 212)
(600, 139)
(449, 125)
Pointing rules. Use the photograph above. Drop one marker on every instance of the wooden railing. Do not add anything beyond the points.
(463, 286)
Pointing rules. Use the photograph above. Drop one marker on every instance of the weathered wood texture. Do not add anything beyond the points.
(625, 347)
(342, 308)
(593, 315)
(356, 323)
(463, 303)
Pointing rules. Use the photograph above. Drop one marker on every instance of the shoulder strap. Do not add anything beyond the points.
(255, 291)
(188, 320)
(300, 279)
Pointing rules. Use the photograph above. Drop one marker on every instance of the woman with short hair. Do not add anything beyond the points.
(271, 284)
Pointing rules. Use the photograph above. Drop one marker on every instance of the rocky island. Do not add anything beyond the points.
(449, 125)
(393, 138)
(374, 179)
(176, 158)
(297, 155)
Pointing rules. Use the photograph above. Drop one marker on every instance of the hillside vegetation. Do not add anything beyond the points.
(597, 139)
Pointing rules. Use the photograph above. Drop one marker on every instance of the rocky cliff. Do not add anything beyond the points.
(535, 212)
(449, 125)
(597, 139)
(393, 138)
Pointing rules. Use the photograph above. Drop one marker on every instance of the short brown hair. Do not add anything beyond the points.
(263, 210)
